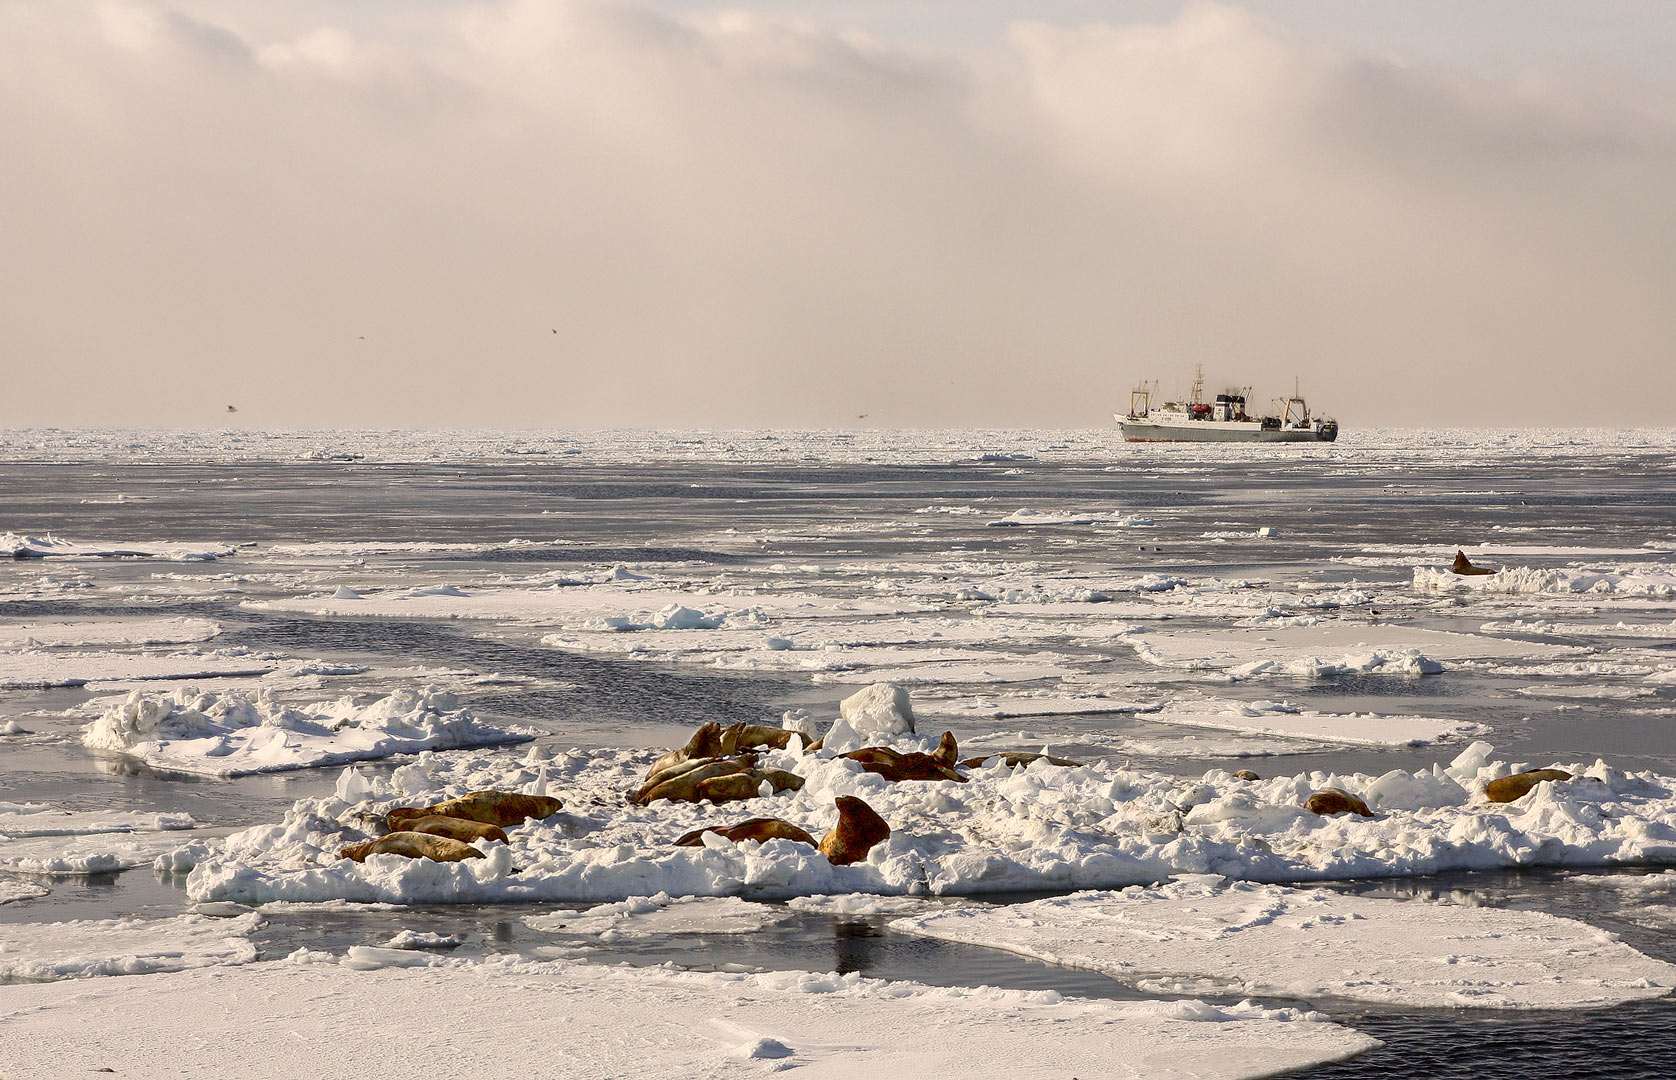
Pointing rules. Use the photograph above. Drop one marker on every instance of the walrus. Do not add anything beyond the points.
(859, 828)
(1334, 800)
(462, 829)
(1246, 774)
(743, 736)
(1464, 566)
(681, 782)
(896, 766)
(413, 845)
(705, 743)
(501, 808)
(757, 828)
(1512, 788)
(1015, 758)
(746, 785)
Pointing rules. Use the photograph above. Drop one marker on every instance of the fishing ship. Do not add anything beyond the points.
(1222, 420)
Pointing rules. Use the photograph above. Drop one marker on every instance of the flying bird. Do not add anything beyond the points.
(232, 408)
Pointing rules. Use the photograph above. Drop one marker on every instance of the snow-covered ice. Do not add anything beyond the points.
(43, 952)
(1295, 943)
(84, 632)
(1292, 722)
(1040, 826)
(231, 734)
(42, 668)
(327, 1020)
(21, 546)
(654, 916)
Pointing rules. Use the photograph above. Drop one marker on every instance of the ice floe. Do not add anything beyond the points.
(1036, 826)
(1201, 933)
(14, 889)
(1293, 722)
(20, 546)
(45, 952)
(655, 916)
(43, 668)
(40, 839)
(1514, 580)
(632, 1024)
(1329, 650)
(232, 734)
(83, 632)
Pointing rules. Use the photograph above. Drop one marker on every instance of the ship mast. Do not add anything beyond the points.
(1197, 397)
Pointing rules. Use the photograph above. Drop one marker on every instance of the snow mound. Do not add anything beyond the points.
(1278, 942)
(1517, 580)
(230, 734)
(879, 711)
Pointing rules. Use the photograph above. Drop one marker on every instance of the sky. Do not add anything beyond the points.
(671, 213)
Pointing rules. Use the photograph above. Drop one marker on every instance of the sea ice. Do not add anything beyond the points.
(1040, 826)
(1295, 943)
(44, 952)
(229, 734)
(1657, 584)
(84, 632)
(1289, 721)
(1329, 650)
(14, 889)
(656, 916)
(19, 546)
(631, 1024)
(51, 668)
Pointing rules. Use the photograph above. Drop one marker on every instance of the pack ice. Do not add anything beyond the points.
(631, 1024)
(1202, 932)
(1036, 826)
(231, 734)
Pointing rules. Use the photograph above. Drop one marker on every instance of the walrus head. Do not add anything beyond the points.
(859, 828)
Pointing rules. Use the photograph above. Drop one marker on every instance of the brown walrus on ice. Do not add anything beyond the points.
(719, 779)
(413, 845)
(1332, 800)
(711, 740)
(502, 808)
(1463, 565)
(896, 766)
(859, 828)
(1513, 788)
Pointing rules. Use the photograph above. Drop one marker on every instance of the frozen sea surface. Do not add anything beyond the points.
(611, 590)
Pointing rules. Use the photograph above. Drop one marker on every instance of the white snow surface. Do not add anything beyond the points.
(332, 1022)
(44, 952)
(1330, 650)
(1656, 584)
(1300, 943)
(43, 667)
(1292, 722)
(1039, 826)
(231, 734)
(19, 545)
(83, 632)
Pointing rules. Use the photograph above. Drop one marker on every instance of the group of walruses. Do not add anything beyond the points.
(717, 764)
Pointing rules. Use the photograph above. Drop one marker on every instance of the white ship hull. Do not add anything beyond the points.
(1150, 430)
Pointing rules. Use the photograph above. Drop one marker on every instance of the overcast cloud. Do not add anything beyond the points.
(579, 213)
